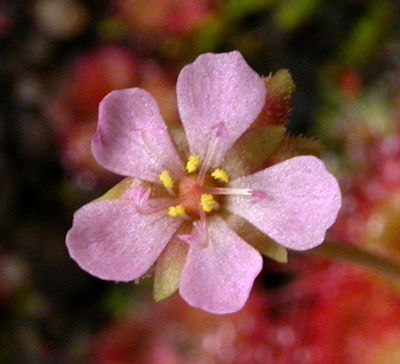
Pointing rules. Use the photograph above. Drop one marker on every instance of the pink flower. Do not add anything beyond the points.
(120, 238)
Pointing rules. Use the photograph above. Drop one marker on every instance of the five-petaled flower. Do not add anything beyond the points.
(121, 237)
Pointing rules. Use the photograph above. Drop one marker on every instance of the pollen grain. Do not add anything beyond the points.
(192, 163)
(207, 202)
(166, 179)
(220, 175)
(176, 211)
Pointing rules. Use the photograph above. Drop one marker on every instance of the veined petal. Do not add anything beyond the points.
(219, 278)
(132, 139)
(301, 202)
(215, 89)
(112, 241)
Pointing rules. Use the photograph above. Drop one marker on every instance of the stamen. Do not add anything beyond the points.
(207, 202)
(220, 175)
(192, 163)
(220, 131)
(166, 179)
(176, 211)
(229, 191)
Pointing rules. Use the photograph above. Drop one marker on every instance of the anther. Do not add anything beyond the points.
(166, 179)
(192, 163)
(220, 175)
(207, 202)
(176, 211)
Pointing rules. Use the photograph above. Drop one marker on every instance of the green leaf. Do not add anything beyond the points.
(368, 32)
(168, 269)
(238, 9)
(292, 13)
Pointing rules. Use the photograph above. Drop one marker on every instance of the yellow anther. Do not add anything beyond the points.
(176, 211)
(207, 202)
(192, 163)
(220, 175)
(166, 179)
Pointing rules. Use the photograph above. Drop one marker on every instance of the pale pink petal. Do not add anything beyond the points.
(219, 278)
(131, 138)
(112, 241)
(295, 201)
(215, 89)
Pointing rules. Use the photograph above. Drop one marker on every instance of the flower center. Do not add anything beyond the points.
(193, 197)
(194, 191)
(200, 193)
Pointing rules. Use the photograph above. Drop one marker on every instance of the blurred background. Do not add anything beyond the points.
(58, 58)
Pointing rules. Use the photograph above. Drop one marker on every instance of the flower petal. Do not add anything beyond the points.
(301, 202)
(219, 278)
(131, 138)
(215, 89)
(256, 238)
(110, 240)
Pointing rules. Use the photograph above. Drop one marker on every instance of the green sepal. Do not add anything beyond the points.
(118, 190)
(280, 84)
(292, 146)
(252, 149)
(179, 139)
(168, 269)
(280, 87)
(261, 242)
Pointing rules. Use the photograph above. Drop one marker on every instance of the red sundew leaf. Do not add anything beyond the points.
(97, 73)
(349, 317)
(175, 333)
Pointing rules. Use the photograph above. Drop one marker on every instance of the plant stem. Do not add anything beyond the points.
(360, 256)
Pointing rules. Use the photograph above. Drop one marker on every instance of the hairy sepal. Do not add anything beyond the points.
(168, 269)
(252, 150)
(179, 139)
(280, 87)
(293, 146)
(121, 188)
